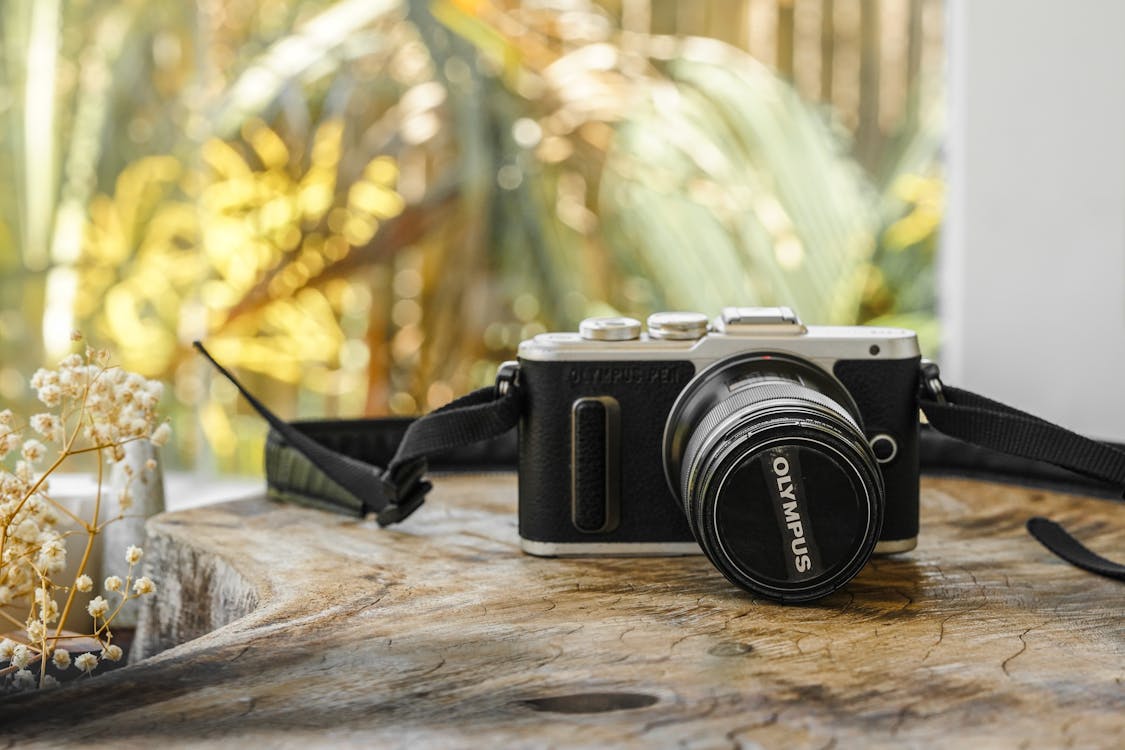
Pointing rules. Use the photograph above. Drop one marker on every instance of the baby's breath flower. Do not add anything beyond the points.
(83, 583)
(151, 464)
(76, 336)
(23, 680)
(36, 630)
(33, 451)
(6, 416)
(86, 662)
(40, 378)
(133, 555)
(21, 656)
(61, 658)
(125, 499)
(7, 648)
(98, 607)
(112, 652)
(113, 583)
(144, 585)
(27, 531)
(50, 395)
(161, 434)
(47, 425)
(49, 612)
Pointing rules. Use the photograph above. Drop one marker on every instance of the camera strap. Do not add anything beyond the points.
(378, 466)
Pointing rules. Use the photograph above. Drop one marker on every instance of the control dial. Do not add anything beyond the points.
(610, 329)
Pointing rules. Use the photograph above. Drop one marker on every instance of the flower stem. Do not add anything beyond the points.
(91, 532)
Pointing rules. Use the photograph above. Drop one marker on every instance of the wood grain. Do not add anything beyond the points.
(307, 629)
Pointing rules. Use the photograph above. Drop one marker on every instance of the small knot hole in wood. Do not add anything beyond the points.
(591, 703)
(730, 648)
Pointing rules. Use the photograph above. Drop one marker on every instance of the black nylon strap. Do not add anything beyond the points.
(983, 422)
(366, 483)
(335, 480)
(480, 415)
(1055, 538)
(990, 424)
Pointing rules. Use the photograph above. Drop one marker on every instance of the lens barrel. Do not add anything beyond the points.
(767, 456)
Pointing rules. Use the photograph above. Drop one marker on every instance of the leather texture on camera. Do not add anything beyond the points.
(885, 390)
(644, 392)
(590, 489)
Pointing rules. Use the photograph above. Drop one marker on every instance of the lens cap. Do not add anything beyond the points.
(792, 518)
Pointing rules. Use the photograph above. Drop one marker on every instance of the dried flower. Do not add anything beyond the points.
(91, 408)
(21, 656)
(86, 662)
(61, 658)
(97, 607)
(33, 451)
(50, 395)
(45, 424)
(36, 630)
(161, 434)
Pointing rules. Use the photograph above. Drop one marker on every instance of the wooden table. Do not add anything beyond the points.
(286, 627)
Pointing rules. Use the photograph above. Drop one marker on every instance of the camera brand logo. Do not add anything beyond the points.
(790, 508)
(630, 374)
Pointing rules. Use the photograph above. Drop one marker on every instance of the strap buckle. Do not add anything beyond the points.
(931, 381)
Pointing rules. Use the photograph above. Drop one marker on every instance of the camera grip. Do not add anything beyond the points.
(885, 392)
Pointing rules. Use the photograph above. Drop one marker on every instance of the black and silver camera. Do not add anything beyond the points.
(787, 454)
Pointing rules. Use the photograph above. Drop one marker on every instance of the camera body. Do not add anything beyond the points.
(598, 434)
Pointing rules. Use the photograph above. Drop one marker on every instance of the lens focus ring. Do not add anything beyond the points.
(745, 402)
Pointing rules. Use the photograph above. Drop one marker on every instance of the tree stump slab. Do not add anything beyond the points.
(277, 626)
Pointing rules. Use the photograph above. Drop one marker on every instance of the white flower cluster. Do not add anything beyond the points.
(91, 408)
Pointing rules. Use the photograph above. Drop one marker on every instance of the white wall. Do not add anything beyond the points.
(1033, 265)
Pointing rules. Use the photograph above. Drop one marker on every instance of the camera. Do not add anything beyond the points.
(787, 454)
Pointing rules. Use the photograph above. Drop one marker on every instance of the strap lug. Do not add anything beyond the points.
(931, 381)
(507, 378)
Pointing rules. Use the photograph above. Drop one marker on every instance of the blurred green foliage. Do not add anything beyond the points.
(366, 204)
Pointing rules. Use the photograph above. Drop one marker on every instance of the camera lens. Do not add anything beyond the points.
(779, 484)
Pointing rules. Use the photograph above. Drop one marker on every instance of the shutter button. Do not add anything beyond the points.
(683, 326)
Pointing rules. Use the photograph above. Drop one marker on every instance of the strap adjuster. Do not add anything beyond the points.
(395, 512)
